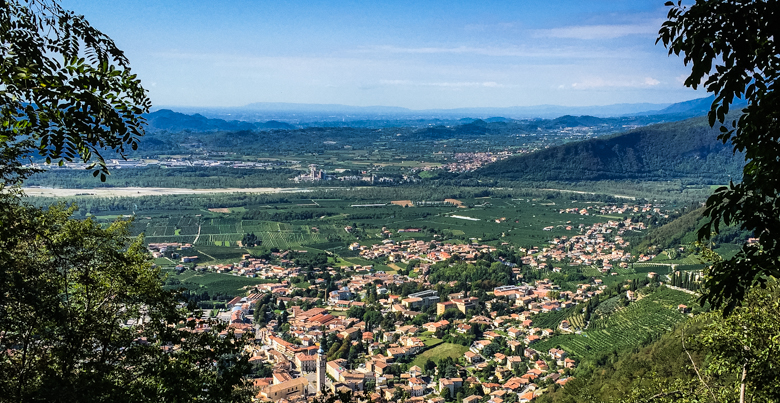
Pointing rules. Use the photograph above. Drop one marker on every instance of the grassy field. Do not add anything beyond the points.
(439, 352)
(215, 282)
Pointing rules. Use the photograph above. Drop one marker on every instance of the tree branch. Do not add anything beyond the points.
(682, 337)
(663, 394)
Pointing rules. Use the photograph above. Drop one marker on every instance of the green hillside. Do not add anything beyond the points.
(680, 150)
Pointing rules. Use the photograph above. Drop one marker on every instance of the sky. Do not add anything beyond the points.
(414, 54)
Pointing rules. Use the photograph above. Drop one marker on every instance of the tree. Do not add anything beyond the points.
(733, 51)
(84, 315)
(420, 319)
(446, 395)
(85, 318)
(67, 90)
(429, 367)
(250, 240)
(745, 347)
(372, 318)
(356, 312)
(451, 371)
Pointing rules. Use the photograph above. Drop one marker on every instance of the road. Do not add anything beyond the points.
(591, 193)
(197, 236)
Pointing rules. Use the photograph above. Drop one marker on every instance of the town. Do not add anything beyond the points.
(417, 334)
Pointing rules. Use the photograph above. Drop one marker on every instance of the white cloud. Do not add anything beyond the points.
(600, 31)
(508, 51)
(598, 82)
(501, 26)
(453, 84)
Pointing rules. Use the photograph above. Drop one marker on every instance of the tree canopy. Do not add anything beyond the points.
(733, 52)
(84, 318)
(66, 90)
(83, 314)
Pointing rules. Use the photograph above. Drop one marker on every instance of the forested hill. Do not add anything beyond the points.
(503, 126)
(166, 119)
(687, 149)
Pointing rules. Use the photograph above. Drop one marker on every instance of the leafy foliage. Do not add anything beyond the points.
(733, 51)
(84, 318)
(67, 90)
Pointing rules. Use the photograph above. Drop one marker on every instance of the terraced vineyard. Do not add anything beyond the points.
(627, 327)
(552, 319)
(576, 321)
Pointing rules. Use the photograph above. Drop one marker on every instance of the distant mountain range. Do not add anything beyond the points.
(686, 149)
(694, 107)
(166, 119)
(265, 116)
(513, 112)
(304, 113)
(676, 149)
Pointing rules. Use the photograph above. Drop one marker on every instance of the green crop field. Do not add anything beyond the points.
(551, 320)
(294, 222)
(576, 321)
(214, 282)
(439, 352)
(626, 327)
(322, 221)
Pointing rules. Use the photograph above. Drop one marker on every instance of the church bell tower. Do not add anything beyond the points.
(320, 370)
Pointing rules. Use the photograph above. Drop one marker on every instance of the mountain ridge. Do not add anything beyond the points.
(687, 149)
(166, 119)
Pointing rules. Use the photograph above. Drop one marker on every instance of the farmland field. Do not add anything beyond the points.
(439, 352)
(626, 327)
(552, 319)
(214, 282)
(296, 223)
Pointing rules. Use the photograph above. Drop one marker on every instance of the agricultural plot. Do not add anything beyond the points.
(552, 319)
(440, 352)
(298, 223)
(651, 267)
(626, 327)
(215, 283)
(576, 321)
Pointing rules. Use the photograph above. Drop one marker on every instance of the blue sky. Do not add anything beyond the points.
(415, 54)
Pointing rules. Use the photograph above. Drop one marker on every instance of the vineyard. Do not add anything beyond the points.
(626, 327)
(551, 320)
(576, 321)
(226, 231)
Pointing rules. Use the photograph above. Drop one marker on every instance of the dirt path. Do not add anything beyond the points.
(591, 193)
(204, 253)
(197, 236)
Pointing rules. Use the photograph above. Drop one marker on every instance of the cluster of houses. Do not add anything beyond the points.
(466, 162)
(433, 251)
(600, 245)
(173, 250)
(525, 372)
(616, 210)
